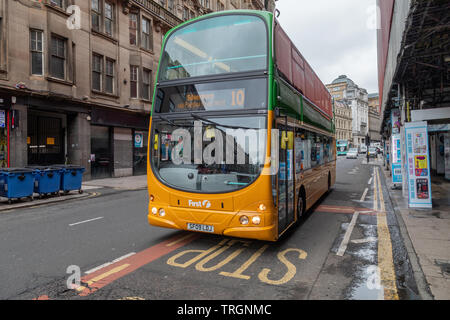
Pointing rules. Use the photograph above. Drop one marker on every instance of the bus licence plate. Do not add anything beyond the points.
(200, 227)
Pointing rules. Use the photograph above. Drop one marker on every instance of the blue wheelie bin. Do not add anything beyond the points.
(47, 180)
(16, 183)
(71, 177)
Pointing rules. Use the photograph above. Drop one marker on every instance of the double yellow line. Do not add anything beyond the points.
(385, 258)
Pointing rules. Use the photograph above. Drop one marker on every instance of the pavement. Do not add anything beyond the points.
(123, 183)
(427, 238)
(89, 188)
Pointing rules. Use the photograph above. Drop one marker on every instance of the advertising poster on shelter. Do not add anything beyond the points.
(396, 164)
(417, 155)
(395, 121)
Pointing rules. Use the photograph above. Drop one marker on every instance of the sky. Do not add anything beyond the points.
(336, 37)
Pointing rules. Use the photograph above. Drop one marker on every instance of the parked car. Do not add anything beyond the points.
(352, 153)
(372, 152)
(363, 149)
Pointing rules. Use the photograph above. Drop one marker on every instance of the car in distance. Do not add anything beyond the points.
(363, 149)
(372, 152)
(352, 153)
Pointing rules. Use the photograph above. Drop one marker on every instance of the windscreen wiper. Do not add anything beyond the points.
(174, 124)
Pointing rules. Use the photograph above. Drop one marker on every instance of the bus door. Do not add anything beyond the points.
(285, 188)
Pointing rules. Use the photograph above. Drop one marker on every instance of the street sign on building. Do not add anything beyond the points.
(138, 140)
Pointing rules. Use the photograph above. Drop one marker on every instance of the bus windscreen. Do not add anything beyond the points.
(226, 44)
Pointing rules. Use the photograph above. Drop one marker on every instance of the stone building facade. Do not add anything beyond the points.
(345, 90)
(343, 121)
(374, 117)
(76, 78)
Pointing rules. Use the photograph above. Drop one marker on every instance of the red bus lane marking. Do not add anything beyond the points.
(110, 273)
(344, 209)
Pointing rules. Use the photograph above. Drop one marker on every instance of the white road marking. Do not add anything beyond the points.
(110, 263)
(363, 197)
(370, 180)
(74, 224)
(347, 235)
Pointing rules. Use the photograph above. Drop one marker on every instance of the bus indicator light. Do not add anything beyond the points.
(262, 207)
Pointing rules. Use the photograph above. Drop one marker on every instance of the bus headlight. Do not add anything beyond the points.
(243, 220)
(162, 212)
(154, 210)
(256, 220)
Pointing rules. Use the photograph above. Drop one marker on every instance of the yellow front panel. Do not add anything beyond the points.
(223, 211)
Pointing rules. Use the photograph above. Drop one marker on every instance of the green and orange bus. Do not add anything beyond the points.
(241, 136)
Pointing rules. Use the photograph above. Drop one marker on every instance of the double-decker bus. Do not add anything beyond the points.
(241, 138)
(342, 147)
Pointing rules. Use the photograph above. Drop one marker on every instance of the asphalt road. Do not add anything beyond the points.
(334, 253)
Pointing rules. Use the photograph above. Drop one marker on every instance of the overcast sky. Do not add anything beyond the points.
(335, 36)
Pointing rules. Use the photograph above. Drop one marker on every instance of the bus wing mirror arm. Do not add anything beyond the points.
(277, 111)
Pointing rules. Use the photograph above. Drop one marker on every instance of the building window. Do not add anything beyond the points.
(146, 40)
(97, 70)
(37, 52)
(133, 28)
(205, 3)
(102, 21)
(146, 83)
(133, 81)
(191, 14)
(58, 3)
(220, 6)
(103, 74)
(95, 14)
(109, 76)
(170, 5)
(58, 57)
(185, 13)
(109, 18)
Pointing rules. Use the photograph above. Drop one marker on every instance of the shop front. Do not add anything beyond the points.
(5, 115)
(439, 135)
(118, 143)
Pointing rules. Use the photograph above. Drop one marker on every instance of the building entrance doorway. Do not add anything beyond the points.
(45, 140)
(101, 154)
